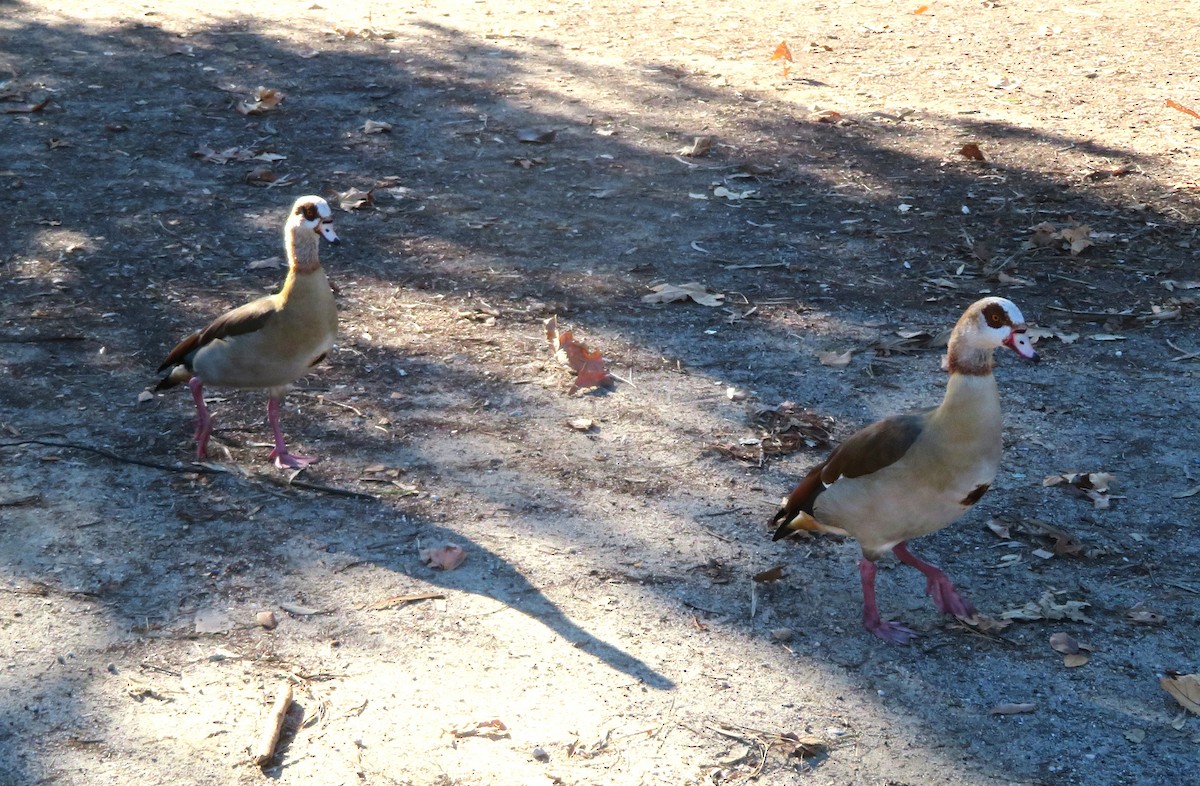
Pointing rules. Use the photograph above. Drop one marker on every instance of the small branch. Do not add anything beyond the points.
(38, 339)
(196, 468)
(265, 751)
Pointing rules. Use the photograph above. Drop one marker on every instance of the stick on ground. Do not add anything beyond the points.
(265, 750)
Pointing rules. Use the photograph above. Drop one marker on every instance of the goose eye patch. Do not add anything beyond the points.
(995, 316)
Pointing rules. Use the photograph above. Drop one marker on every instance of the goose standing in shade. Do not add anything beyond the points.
(910, 475)
(268, 343)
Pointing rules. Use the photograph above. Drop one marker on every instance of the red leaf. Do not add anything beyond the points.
(1182, 108)
(971, 151)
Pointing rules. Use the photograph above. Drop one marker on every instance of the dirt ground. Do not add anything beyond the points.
(606, 615)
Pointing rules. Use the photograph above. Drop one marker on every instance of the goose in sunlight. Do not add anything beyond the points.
(268, 343)
(910, 475)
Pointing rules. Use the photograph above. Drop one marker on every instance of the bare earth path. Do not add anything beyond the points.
(606, 615)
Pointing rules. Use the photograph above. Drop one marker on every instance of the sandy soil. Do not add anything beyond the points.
(606, 614)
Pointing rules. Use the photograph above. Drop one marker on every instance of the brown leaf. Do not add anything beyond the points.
(694, 290)
(1012, 709)
(265, 99)
(1184, 688)
(588, 364)
(984, 623)
(1066, 644)
(445, 558)
(971, 151)
(782, 52)
(805, 746)
(1074, 660)
(769, 575)
(1182, 108)
(261, 174)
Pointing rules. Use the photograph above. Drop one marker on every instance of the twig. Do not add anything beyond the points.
(197, 468)
(1185, 356)
(18, 502)
(270, 735)
(39, 339)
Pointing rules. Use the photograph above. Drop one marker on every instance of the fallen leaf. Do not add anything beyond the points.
(782, 52)
(265, 99)
(17, 109)
(769, 575)
(492, 729)
(1012, 709)
(301, 611)
(1047, 608)
(921, 9)
(700, 146)
(1071, 650)
(400, 600)
(536, 136)
(376, 127)
(444, 558)
(1135, 735)
(588, 364)
(971, 151)
(145, 396)
(268, 263)
(787, 427)
(261, 174)
(213, 621)
(1182, 108)
(356, 199)
(581, 424)
(805, 746)
(1144, 617)
(1074, 660)
(835, 359)
(734, 196)
(831, 116)
(693, 290)
(1184, 688)
(984, 623)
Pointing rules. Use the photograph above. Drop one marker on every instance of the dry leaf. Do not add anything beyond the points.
(376, 127)
(1182, 108)
(581, 424)
(984, 623)
(769, 575)
(782, 52)
(1047, 608)
(1075, 660)
(805, 746)
(261, 174)
(445, 558)
(356, 199)
(700, 146)
(1145, 617)
(971, 151)
(17, 109)
(588, 364)
(145, 396)
(536, 136)
(834, 359)
(734, 196)
(693, 290)
(265, 99)
(1012, 709)
(1135, 735)
(267, 263)
(1184, 688)
(921, 9)
(400, 600)
(492, 729)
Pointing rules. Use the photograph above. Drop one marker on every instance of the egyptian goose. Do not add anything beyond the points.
(268, 343)
(910, 475)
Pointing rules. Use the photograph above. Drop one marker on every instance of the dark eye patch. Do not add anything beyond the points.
(995, 315)
(308, 210)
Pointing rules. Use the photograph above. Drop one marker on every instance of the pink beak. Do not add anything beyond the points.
(1018, 341)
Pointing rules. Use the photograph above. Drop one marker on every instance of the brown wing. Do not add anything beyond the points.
(241, 320)
(868, 450)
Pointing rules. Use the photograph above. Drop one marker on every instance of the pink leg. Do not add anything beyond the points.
(891, 632)
(203, 421)
(938, 586)
(280, 453)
